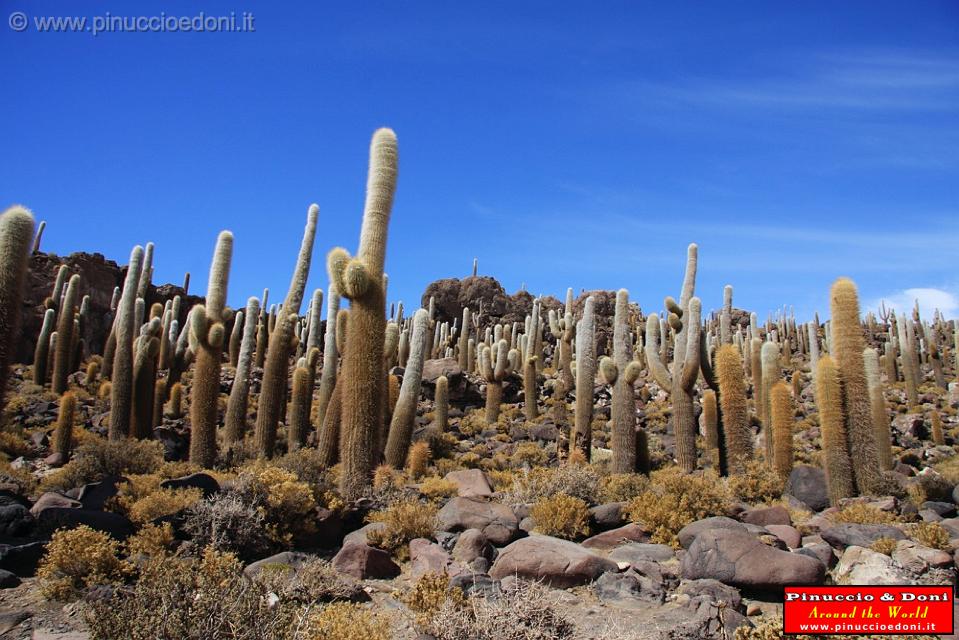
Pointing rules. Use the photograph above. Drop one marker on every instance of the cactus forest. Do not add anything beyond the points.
(332, 465)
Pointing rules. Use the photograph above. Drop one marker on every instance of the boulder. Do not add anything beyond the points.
(765, 516)
(15, 517)
(202, 481)
(688, 533)
(470, 545)
(496, 521)
(114, 524)
(820, 551)
(470, 483)
(52, 499)
(808, 485)
(607, 516)
(859, 535)
(95, 495)
(559, 563)
(22, 560)
(787, 534)
(611, 539)
(862, 566)
(738, 558)
(8, 580)
(918, 559)
(628, 588)
(641, 552)
(429, 557)
(363, 561)
(291, 560)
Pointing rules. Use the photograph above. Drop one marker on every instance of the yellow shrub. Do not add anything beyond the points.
(429, 595)
(621, 487)
(151, 540)
(13, 445)
(561, 516)
(529, 454)
(884, 546)
(437, 487)
(164, 502)
(930, 534)
(862, 513)
(760, 483)
(404, 521)
(501, 480)
(347, 621)
(470, 460)
(675, 499)
(79, 558)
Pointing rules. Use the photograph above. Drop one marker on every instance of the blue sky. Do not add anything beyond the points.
(563, 144)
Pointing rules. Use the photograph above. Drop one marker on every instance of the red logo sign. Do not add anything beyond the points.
(875, 610)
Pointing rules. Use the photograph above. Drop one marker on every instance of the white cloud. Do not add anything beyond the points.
(929, 298)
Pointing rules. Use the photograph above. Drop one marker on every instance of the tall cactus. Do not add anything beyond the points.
(16, 237)
(441, 406)
(463, 355)
(207, 328)
(782, 415)
(495, 365)
(909, 373)
(121, 387)
(530, 390)
(273, 391)
(40, 352)
(330, 356)
(236, 337)
(737, 435)
(585, 372)
(236, 406)
(711, 426)
(877, 403)
(63, 357)
(315, 321)
(621, 371)
(849, 343)
(328, 427)
(680, 378)
(769, 360)
(144, 379)
(832, 425)
(564, 330)
(360, 279)
(302, 400)
(401, 426)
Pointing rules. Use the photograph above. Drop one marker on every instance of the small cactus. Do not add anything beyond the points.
(63, 435)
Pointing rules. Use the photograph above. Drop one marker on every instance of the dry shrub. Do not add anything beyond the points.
(436, 487)
(164, 502)
(884, 546)
(152, 540)
(621, 487)
(675, 499)
(13, 445)
(561, 516)
(929, 534)
(760, 483)
(100, 458)
(520, 611)
(77, 559)
(314, 581)
(429, 595)
(191, 599)
(404, 521)
(347, 621)
(304, 463)
(287, 504)
(470, 460)
(22, 479)
(863, 513)
(577, 481)
(529, 454)
(500, 480)
(948, 469)
(228, 523)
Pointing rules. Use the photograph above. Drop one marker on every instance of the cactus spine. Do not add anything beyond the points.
(41, 352)
(16, 236)
(63, 436)
(236, 406)
(273, 392)
(401, 426)
(621, 372)
(585, 371)
(782, 416)
(209, 333)
(835, 445)
(737, 435)
(121, 387)
(848, 346)
(360, 279)
(63, 357)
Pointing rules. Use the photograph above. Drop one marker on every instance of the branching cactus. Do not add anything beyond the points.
(360, 279)
(495, 365)
(737, 435)
(144, 379)
(564, 330)
(273, 392)
(848, 345)
(621, 372)
(236, 406)
(832, 425)
(680, 378)
(401, 426)
(63, 358)
(207, 328)
(877, 403)
(782, 415)
(16, 238)
(40, 353)
(585, 373)
(121, 387)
